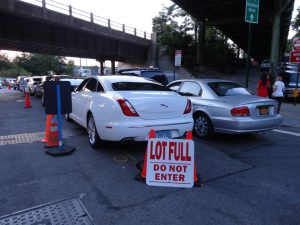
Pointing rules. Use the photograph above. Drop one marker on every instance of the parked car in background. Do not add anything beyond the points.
(17, 83)
(289, 78)
(73, 81)
(0, 85)
(39, 88)
(34, 81)
(24, 81)
(154, 74)
(265, 65)
(126, 108)
(221, 106)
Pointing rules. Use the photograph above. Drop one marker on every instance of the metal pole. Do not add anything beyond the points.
(174, 73)
(248, 55)
(60, 138)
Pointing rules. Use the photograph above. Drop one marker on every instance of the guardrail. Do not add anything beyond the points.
(90, 17)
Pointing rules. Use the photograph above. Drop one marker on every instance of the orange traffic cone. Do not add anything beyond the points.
(142, 176)
(47, 130)
(197, 181)
(53, 134)
(27, 101)
(8, 87)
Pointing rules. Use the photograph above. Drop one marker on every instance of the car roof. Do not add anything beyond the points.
(206, 80)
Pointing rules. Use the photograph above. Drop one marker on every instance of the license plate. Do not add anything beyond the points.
(163, 134)
(263, 110)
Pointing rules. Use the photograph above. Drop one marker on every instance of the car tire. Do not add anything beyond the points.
(93, 135)
(203, 127)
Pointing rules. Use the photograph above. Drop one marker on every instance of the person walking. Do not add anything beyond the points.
(278, 91)
(262, 86)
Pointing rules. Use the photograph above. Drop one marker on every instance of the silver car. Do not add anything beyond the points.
(222, 106)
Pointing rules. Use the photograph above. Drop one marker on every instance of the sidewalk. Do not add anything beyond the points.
(291, 114)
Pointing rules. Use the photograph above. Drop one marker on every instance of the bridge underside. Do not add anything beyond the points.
(229, 17)
(29, 32)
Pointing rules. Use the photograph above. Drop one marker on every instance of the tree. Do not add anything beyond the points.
(176, 30)
(69, 67)
(39, 64)
(296, 24)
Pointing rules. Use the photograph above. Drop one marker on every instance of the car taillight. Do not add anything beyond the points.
(127, 108)
(240, 111)
(188, 107)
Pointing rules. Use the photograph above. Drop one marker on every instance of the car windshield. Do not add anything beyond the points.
(138, 86)
(228, 88)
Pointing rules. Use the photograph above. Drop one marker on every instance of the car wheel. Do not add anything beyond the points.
(94, 139)
(203, 127)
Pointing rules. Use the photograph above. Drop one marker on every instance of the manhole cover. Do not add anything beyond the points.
(65, 212)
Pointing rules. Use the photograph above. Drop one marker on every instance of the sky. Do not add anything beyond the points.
(133, 13)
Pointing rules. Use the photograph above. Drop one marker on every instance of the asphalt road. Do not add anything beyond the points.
(248, 179)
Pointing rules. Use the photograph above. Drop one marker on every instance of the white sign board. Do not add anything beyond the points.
(178, 57)
(296, 44)
(170, 163)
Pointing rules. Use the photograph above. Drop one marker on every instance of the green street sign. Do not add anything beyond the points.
(252, 10)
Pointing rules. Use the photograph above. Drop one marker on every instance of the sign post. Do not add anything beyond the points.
(178, 55)
(252, 11)
(170, 163)
(251, 16)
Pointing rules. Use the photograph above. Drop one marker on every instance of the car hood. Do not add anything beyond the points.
(155, 104)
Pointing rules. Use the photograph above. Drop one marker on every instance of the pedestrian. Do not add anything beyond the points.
(278, 91)
(262, 86)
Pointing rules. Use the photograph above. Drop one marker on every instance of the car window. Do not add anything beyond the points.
(190, 89)
(80, 87)
(91, 85)
(228, 88)
(175, 86)
(138, 86)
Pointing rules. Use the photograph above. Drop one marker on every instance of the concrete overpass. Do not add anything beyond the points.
(71, 32)
(269, 36)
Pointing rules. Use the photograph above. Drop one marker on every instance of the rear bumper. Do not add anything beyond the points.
(246, 125)
(140, 131)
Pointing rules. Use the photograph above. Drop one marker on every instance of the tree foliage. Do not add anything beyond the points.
(34, 64)
(176, 30)
(296, 24)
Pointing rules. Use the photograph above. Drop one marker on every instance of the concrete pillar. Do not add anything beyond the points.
(275, 46)
(92, 18)
(44, 9)
(275, 43)
(123, 27)
(113, 67)
(101, 61)
(102, 67)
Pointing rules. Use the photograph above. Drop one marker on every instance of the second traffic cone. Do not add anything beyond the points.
(27, 101)
(47, 130)
(53, 134)
(142, 175)
(197, 177)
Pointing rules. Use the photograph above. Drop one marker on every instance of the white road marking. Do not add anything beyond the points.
(287, 132)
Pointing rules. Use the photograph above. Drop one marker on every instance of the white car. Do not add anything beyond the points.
(126, 108)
